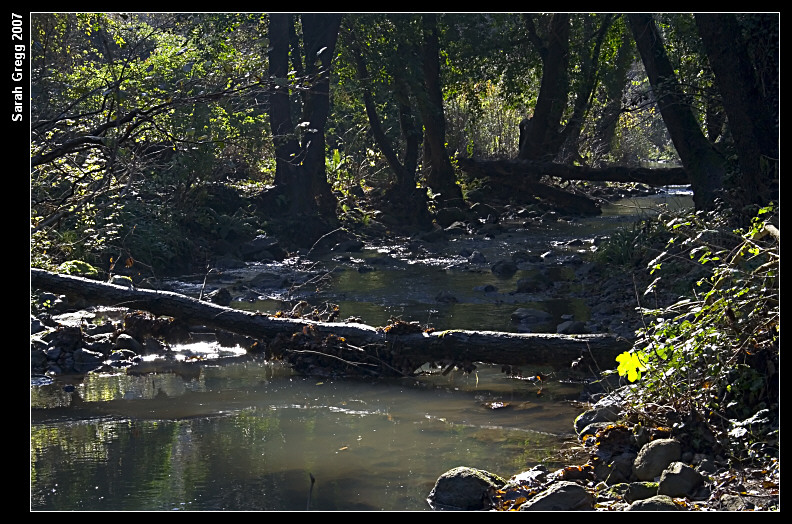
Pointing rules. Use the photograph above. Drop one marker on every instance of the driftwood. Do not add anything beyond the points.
(401, 346)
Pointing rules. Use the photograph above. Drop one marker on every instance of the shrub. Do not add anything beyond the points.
(708, 363)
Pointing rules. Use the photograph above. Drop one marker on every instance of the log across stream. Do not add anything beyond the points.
(399, 347)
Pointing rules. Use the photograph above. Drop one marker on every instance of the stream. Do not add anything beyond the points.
(219, 429)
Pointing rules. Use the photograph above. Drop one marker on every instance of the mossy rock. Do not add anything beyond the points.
(79, 268)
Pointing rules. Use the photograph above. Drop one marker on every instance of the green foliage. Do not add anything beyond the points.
(628, 246)
(132, 116)
(713, 355)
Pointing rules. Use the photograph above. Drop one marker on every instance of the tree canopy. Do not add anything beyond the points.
(138, 120)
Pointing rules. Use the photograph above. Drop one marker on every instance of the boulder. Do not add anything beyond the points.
(220, 296)
(679, 480)
(464, 488)
(476, 257)
(655, 457)
(448, 215)
(640, 491)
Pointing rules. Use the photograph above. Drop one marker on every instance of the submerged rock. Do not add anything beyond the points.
(504, 268)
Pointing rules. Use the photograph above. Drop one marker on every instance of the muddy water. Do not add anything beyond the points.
(214, 429)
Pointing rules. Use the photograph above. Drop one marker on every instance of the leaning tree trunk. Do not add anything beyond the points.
(401, 347)
(704, 165)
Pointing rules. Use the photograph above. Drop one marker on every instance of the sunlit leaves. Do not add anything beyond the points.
(630, 365)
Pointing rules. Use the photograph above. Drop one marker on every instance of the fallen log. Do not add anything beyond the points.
(532, 171)
(400, 347)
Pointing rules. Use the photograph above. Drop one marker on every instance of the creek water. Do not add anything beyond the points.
(216, 429)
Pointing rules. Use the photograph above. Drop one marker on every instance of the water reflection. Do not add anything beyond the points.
(246, 437)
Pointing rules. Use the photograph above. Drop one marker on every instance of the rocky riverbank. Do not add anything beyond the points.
(624, 466)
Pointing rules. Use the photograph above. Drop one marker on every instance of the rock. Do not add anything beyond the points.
(533, 284)
(655, 457)
(38, 358)
(571, 327)
(535, 476)
(125, 341)
(121, 354)
(640, 491)
(101, 343)
(228, 262)
(457, 228)
(616, 470)
(679, 480)
(262, 248)
(481, 210)
(35, 325)
(352, 245)
(561, 496)
(464, 488)
(221, 296)
(446, 297)
(79, 268)
(731, 502)
(448, 215)
(477, 258)
(504, 268)
(491, 230)
(530, 316)
(478, 195)
(85, 360)
(656, 503)
(435, 235)
(608, 409)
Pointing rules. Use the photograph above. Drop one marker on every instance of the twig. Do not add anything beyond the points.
(310, 491)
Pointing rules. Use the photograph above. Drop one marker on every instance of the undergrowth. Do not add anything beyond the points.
(707, 365)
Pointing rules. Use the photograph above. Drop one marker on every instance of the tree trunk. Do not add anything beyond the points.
(440, 175)
(300, 151)
(704, 165)
(570, 136)
(403, 200)
(748, 115)
(401, 346)
(613, 81)
(543, 140)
